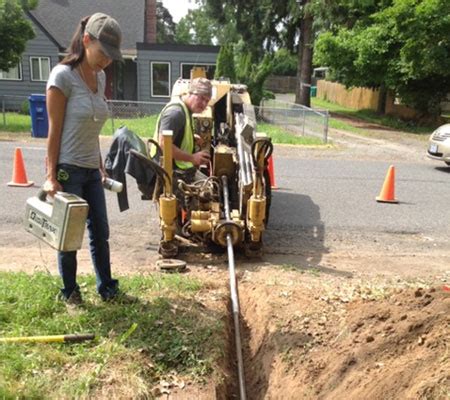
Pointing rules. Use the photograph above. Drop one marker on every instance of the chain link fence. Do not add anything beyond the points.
(295, 118)
(140, 116)
(11, 105)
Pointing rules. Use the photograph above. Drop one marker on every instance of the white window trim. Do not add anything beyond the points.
(151, 78)
(11, 79)
(40, 68)
(196, 64)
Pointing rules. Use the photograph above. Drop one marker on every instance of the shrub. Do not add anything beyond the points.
(25, 107)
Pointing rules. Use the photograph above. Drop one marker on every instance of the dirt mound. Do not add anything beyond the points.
(310, 341)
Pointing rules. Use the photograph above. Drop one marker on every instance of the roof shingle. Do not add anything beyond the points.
(60, 17)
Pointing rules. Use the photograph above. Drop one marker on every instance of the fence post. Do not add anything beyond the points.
(112, 117)
(325, 133)
(304, 121)
(3, 111)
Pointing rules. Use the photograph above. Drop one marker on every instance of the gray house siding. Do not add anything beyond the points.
(175, 55)
(14, 93)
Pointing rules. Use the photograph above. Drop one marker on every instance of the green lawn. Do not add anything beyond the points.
(281, 136)
(166, 329)
(369, 116)
(14, 122)
(145, 127)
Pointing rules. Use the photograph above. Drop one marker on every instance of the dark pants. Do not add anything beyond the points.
(87, 184)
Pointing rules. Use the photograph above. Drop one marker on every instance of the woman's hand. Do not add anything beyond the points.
(103, 174)
(51, 186)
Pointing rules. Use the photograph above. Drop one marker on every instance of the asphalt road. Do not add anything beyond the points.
(341, 194)
(320, 200)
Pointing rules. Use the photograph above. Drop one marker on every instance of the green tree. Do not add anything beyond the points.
(255, 26)
(404, 48)
(203, 30)
(252, 74)
(285, 63)
(15, 31)
(198, 27)
(183, 33)
(165, 26)
(225, 63)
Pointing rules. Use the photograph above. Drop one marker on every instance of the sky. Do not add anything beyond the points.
(178, 8)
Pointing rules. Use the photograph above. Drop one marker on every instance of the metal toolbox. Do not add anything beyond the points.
(60, 224)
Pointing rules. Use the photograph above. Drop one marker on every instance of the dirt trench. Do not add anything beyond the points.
(310, 340)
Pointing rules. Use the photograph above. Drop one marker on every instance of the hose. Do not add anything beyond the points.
(266, 148)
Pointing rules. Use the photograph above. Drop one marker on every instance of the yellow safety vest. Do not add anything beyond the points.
(187, 144)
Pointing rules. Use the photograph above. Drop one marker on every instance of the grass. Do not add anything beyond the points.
(281, 136)
(14, 122)
(164, 331)
(145, 127)
(370, 116)
(344, 126)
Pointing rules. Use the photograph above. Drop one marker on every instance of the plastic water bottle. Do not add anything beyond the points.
(114, 186)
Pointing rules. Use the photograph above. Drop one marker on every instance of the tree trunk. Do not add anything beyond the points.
(299, 71)
(305, 53)
(381, 106)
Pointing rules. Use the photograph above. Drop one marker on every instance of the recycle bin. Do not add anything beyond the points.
(38, 113)
(313, 91)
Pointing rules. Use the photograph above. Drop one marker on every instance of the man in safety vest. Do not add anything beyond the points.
(177, 117)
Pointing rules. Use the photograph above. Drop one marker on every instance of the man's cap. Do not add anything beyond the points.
(107, 31)
(201, 86)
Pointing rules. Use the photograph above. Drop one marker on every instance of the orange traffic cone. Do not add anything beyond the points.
(387, 194)
(19, 177)
(271, 173)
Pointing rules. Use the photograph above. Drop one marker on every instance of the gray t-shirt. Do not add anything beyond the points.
(86, 112)
(173, 119)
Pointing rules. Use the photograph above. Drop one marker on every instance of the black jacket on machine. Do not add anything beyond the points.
(120, 161)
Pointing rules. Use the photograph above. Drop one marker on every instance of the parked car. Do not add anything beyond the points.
(439, 144)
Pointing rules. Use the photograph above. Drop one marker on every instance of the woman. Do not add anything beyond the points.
(77, 111)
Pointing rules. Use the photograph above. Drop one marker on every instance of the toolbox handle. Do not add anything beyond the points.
(42, 195)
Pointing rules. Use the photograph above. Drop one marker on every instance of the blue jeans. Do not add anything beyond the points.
(87, 184)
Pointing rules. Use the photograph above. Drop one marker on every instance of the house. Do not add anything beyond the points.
(147, 73)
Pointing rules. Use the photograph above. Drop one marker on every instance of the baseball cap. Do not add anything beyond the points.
(107, 31)
(201, 86)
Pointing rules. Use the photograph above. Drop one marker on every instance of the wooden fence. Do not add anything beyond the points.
(362, 98)
(281, 84)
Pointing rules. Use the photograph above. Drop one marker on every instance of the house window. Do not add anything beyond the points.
(160, 73)
(186, 70)
(13, 74)
(40, 68)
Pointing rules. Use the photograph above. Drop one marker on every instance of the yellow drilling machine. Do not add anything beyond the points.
(230, 206)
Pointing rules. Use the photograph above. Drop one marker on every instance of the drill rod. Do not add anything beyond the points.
(234, 294)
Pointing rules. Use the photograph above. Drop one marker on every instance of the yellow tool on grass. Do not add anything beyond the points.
(48, 339)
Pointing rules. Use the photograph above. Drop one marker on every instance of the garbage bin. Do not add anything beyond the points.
(38, 112)
(313, 91)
